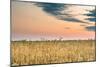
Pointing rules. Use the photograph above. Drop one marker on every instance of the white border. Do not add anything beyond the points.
(5, 34)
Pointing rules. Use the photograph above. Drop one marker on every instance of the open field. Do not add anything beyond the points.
(47, 52)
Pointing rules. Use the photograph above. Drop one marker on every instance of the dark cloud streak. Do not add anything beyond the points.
(91, 28)
(91, 14)
(56, 10)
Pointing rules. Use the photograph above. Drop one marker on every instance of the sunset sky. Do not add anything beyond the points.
(35, 20)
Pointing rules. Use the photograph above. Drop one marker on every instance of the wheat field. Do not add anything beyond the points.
(48, 52)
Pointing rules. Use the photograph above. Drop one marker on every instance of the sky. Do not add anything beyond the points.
(37, 20)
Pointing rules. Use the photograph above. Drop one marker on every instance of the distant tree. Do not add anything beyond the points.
(60, 38)
(42, 39)
(23, 40)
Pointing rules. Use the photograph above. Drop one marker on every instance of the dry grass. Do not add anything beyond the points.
(47, 52)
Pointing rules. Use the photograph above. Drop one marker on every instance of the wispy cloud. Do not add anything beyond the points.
(92, 15)
(63, 12)
(51, 8)
(67, 28)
